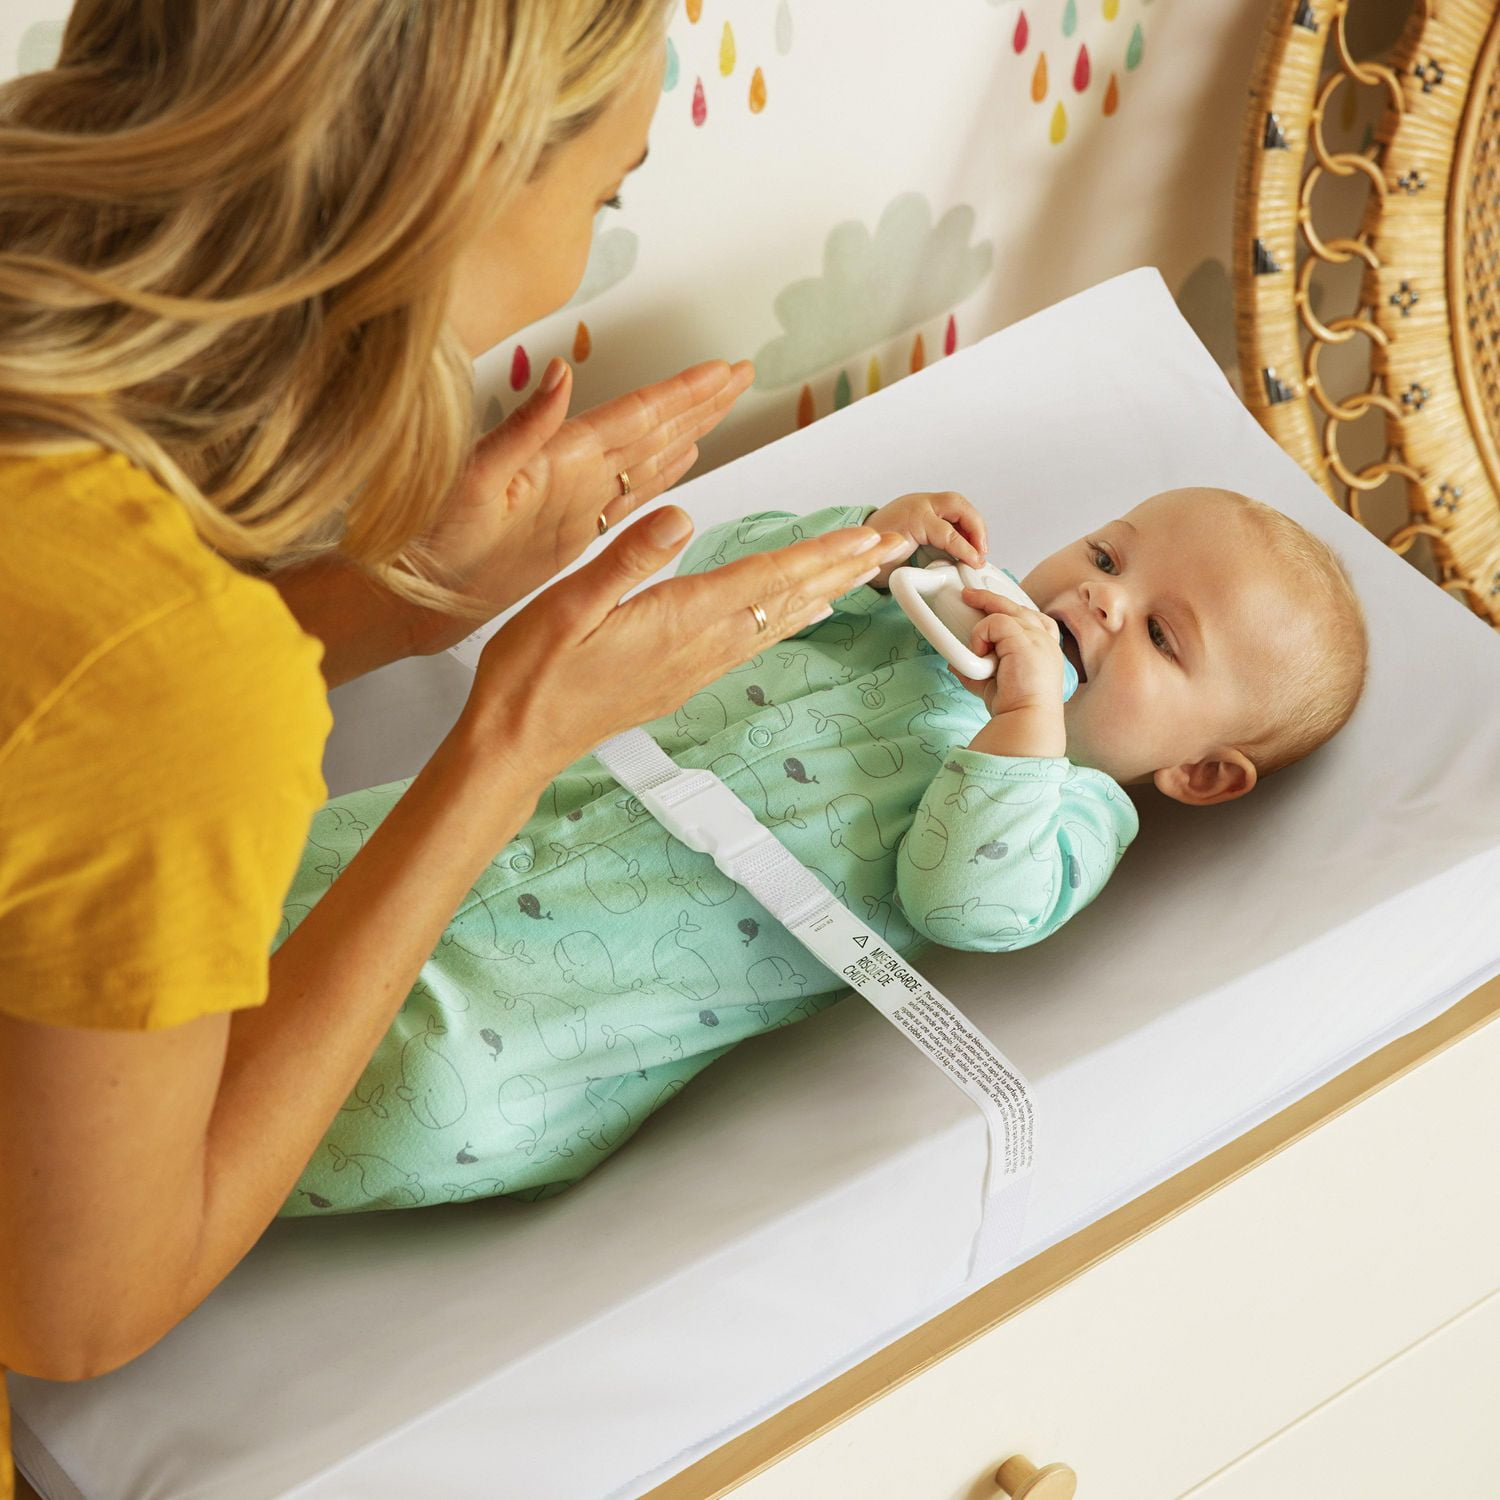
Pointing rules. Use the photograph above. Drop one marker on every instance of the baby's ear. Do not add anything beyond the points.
(1201, 783)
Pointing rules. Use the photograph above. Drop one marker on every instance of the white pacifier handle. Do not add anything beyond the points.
(932, 598)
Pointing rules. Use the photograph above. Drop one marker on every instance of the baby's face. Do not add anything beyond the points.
(1176, 615)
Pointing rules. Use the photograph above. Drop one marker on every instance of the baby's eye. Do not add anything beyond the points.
(1108, 560)
(1158, 639)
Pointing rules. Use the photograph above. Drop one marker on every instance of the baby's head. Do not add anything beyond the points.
(1216, 641)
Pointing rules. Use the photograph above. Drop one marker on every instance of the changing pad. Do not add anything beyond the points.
(812, 1195)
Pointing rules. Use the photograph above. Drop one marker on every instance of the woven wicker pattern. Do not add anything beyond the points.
(1430, 346)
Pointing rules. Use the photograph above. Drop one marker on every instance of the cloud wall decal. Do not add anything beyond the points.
(873, 287)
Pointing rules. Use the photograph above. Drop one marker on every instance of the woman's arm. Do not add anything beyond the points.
(138, 1168)
(361, 625)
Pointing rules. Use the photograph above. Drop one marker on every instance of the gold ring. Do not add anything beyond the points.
(624, 479)
(760, 617)
(602, 524)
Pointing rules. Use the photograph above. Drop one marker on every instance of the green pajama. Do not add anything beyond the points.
(598, 964)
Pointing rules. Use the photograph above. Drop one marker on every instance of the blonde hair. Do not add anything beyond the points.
(227, 241)
(1314, 693)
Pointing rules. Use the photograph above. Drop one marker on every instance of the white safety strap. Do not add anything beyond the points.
(701, 810)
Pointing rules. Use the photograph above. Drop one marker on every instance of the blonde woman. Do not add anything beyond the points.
(248, 253)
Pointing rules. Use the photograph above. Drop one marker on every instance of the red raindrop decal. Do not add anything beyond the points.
(520, 368)
(1018, 41)
(950, 339)
(700, 104)
(1081, 70)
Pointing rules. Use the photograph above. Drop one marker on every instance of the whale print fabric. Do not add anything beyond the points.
(599, 964)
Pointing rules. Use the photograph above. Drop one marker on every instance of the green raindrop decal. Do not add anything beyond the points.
(841, 395)
(1136, 48)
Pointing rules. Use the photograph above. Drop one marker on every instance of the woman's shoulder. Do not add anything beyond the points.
(105, 578)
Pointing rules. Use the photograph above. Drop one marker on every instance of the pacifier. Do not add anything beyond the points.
(932, 598)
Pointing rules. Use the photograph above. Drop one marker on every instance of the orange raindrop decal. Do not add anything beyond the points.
(520, 368)
(918, 355)
(1059, 127)
(726, 51)
(950, 339)
(873, 379)
(583, 345)
(757, 92)
(700, 104)
(1018, 41)
(805, 409)
(1081, 70)
(1112, 96)
(1039, 79)
(694, 10)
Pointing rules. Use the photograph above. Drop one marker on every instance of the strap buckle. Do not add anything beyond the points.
(701, 810)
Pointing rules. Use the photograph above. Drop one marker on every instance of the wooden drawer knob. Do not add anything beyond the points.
(1022, 1480)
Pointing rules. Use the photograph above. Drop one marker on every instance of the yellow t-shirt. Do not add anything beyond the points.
(162, 723)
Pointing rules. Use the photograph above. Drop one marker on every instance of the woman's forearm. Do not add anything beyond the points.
(336, 984)
(361, 625)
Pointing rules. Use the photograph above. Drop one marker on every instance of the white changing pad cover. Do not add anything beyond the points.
(812, 1195)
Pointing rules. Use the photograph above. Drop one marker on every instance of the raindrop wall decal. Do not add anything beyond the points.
(1070, 18)
(841, 391)
(1111, 9)
(805, 409)
(726, 51)
(669, 82)
(1136, 48)
(757, 92)
(918, 355)
(1081, 69)
(783, 28)
(950, 338)
(1059, 127)
(1111, 96)
(1039, 79)
(700, 104)
(520, 368)
(694, 10)
(872, 379)
(583, 344)
(1018, 41)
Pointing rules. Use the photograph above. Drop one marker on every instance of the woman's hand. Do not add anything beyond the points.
(577, 664)
(1025, 696)
(943, 519)
(534, 488)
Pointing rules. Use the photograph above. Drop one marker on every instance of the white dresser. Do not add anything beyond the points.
(1311, 1313)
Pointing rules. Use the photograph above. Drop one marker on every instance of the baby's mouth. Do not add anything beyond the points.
(1070, 650)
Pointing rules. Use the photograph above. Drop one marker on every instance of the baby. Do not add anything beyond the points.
(598, 964)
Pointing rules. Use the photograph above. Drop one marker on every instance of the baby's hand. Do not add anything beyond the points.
(1025, 696)
(944, 520)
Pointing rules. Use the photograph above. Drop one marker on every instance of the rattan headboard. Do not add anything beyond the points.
(1430, 296)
